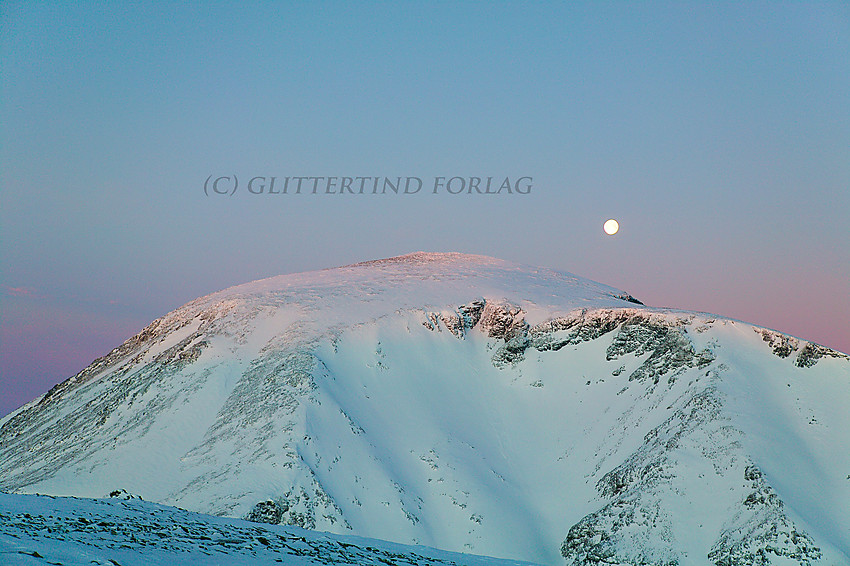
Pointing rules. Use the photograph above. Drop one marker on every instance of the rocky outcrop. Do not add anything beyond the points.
(811, 353)
(669, 347)
(628, 298)
(298, 507)
(459, 321)
(627, 534)
(760, 532)
(637, 333)
(634, 527)
(269, 511)
(808, 353)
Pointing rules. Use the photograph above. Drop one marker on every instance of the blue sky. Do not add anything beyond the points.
(718, 134)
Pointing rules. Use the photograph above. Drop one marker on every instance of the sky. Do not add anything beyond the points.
(717, 134)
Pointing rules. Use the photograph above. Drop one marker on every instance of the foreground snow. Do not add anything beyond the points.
(464, 403)
(36, 530)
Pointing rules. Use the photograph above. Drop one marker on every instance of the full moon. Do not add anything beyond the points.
(611, 226)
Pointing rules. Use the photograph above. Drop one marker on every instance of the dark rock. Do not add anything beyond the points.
(629, 298)
(267, 512)
(761, 530)
(811, 353)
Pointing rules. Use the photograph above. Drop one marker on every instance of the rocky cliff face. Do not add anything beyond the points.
(468, 404)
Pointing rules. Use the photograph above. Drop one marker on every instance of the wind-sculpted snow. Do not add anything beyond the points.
(465, 403)
(80, 532)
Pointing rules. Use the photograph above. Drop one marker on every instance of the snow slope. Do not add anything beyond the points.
(464, 403)
(37, 530)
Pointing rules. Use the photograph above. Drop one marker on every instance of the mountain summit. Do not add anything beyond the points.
(469, 404)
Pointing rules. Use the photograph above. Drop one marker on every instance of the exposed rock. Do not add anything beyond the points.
(301, 508)
(457, 322)
(581, 326)
(671, 349)
(512, 352)
(760, 531)
(503, 321)
(782, 344)
(471, 313)
(811, 353)
(633, 527)
(808, 352)
(629, 534)
(123, 494)
(267, 512)
(629, 298)
(638, 333)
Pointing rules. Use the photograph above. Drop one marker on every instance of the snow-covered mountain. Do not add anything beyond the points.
(469, 404)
